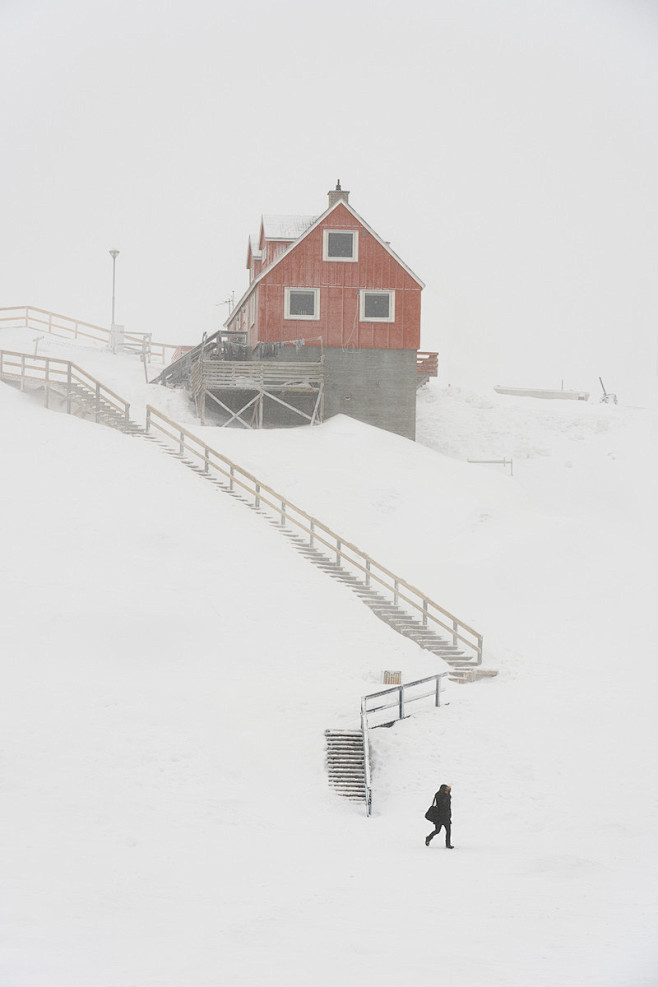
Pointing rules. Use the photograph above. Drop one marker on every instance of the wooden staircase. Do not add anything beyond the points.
(346, 763)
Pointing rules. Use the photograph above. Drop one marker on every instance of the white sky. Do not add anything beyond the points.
(507, 150)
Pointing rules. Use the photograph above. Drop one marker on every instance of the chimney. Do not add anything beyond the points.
(336, 194)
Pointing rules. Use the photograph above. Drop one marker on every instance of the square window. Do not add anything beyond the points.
(302, 303)
(377, 306)
(340, 245)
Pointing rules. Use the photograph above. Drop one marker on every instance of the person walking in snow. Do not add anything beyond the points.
(440, 813)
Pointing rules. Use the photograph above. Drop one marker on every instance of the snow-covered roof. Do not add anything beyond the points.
(253, 243)
(286, 227)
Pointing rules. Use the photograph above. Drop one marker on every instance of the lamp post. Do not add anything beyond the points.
(113, 254)
(116, 332)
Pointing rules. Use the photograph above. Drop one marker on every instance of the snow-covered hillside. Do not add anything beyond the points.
(170, 665)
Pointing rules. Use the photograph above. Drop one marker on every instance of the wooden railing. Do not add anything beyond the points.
(254, 374)
(427, 363)
(344, 552)
(50, 371)
(29, 317)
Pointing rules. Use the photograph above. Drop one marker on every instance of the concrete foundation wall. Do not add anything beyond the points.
(374, 386)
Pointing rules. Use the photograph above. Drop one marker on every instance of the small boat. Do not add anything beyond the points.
(540, 392)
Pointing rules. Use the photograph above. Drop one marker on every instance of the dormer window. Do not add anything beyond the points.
(340, 245)
(377, 306)
(302, 303)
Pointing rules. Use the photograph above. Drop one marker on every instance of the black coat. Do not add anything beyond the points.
(443, 808)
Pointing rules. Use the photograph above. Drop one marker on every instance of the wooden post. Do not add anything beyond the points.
(181, 443)
(368, 573)
(438, 690)
(454, 633)
(68, 389)
(283, 513)
(312, 535)
(396, 592)
(98, 402)
(257, 501)
(424, 613)
(401, 702)
(206, 463)
(338, 553)
(148, 420)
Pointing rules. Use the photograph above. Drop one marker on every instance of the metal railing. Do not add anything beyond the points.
(397, 698)
(345, 554)
(367, 784)
(52, 373)
(29, 317)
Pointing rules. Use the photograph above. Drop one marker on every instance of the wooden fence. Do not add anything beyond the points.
(61, 375)
(344, 552)
(29, 317)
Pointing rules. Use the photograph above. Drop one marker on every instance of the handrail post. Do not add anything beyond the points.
(396, 593)
(424, 613)
(206, 460)
(69, 382)
(283, 513)
(368, 573)
(338, 552)
(257, 500)
(401, 701)
(181, 443)
(312, 535)
(454, 633)
(438, 691)
(98, 401)
(232, 474)
(148, 419)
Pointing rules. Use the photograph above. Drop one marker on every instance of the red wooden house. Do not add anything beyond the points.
(330, 285)
(329, 324)
(328, 276)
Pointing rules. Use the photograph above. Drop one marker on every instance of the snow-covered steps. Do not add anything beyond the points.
(346, 763)
(396, 618)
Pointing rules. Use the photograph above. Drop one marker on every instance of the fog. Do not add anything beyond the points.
(507, 150)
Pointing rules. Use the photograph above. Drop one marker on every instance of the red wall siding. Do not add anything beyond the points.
(338, 281)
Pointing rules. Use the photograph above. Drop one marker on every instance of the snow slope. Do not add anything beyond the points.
(170, 665)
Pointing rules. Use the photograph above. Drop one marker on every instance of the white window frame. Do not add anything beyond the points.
(376, 291)
(338, 260)
(316, 306)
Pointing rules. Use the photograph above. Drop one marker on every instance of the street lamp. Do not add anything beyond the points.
(113, 254)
